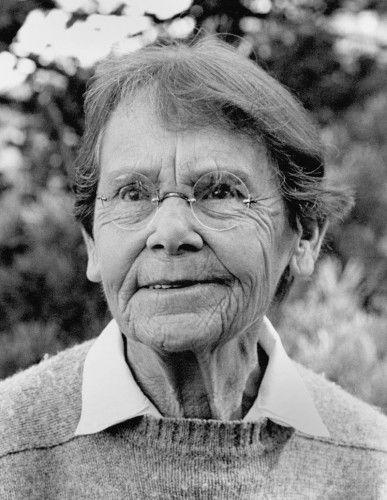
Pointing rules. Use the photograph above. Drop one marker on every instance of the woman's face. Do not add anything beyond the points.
(223, 281)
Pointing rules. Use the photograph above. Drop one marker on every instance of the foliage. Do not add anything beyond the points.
(46, 303)
(327, 330)
(358, 149)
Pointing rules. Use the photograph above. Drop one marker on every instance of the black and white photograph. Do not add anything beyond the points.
(193, 249)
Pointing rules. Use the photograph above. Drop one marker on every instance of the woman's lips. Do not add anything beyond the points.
(165, 287)
(180, 284)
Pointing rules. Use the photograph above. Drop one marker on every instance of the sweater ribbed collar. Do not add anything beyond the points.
(110, 394)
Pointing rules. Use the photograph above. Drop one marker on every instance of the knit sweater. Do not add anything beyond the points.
(166, 458)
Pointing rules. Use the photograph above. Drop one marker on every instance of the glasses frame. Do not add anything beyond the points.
(190, 200)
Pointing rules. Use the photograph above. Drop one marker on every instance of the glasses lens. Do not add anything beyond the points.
(133, 207)
(219, 200)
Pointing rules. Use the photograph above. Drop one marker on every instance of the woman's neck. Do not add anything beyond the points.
(221, 383)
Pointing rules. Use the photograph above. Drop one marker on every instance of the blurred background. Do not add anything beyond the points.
(331, 53)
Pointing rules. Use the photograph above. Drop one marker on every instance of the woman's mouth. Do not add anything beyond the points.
(164, 287)
(180, 284)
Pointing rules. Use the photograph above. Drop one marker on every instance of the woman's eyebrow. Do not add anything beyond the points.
(123, 172)
(200, 166)
(225, 166)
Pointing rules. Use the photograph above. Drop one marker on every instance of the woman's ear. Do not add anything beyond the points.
(306, 252)
(93, 271)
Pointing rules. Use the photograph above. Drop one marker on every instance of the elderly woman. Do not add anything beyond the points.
(200, 188)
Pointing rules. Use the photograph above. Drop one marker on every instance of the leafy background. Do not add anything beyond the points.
(331, 53)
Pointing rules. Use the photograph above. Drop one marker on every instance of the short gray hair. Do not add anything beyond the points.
(208, 82)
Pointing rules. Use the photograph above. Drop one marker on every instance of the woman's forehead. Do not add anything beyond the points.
(136, 139)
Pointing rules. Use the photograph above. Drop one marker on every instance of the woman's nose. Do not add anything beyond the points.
(174, 228)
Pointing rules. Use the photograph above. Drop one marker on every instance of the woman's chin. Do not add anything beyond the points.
(192, 319)
(177, 333)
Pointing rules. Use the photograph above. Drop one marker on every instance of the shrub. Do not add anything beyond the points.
(327, 330)
(46, 302)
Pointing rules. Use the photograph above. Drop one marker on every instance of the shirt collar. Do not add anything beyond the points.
(110, 394)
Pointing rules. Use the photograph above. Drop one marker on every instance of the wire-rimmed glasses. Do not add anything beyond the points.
(219, 199)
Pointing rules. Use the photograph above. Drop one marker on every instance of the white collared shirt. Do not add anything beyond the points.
(110, 395)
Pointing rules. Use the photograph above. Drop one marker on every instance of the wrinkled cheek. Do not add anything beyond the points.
(244, 259)
(116, 288)
(117, 260)
(111, 274)
(111, 296)
(255, 264)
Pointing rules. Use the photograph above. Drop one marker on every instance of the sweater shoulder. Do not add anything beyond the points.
(350, 421)
(40, 406)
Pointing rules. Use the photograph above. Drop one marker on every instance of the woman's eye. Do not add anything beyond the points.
(221, 191)
(132, 193)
